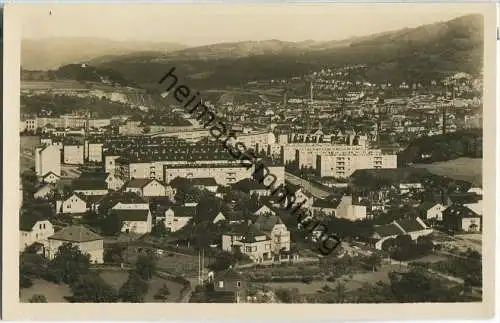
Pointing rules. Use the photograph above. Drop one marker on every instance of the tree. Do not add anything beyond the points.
(92, 289)
(159, 229)
(162, 293)
(68, 264)
(134, 289)
(38, 298)
(288, 295)
(146, 266)
(373, 261)
(114, 254)
(111, 225)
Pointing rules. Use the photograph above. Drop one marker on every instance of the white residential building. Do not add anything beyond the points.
(34, 230)
(48, 159)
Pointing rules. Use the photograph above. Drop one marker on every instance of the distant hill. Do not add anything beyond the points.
(423, 53)
(78, 72)
(52, 53)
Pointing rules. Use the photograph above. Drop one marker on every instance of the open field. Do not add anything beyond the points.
(466, 169)
(53, 292)
(27, 150)
(116, 278)
(156, 283)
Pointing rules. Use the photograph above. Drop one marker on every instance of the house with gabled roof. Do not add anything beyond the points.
(51, 178)
(85, 239)
(229, 287)
(74, 204)
(265, 209)
(45, 191)
(89, 186)
(113, 182)
(460, 218)
(431, 210)
(135, 217)
(415, 228)
(248, 240)
(34, 229)
(251, 186)
(149, 188)
(178, 216)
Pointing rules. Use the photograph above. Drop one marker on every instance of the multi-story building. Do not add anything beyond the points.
(86, 240)
(343, 164)
(34, 231)
(47, 159)
(266, 240)
(73, 154)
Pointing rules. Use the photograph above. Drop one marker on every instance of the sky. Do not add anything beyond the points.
(195, 25)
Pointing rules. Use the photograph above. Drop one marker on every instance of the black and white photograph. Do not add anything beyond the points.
(248, 154)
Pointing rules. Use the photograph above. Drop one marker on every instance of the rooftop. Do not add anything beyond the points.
(76, 233)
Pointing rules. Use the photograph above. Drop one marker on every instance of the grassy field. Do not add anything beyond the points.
(27, 150)
(156, 283)
(116, 278)
(466, 169)
(53, 292)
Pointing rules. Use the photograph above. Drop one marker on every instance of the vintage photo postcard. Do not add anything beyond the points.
(285, 162)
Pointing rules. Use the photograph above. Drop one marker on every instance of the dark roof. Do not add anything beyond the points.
(91, 199)
(251, 234)
(89, 184)
(326, 204)
(183, 182)
(26, 222)
(183, 211)
(76, 233)
(50, 173)
(410, 225)
(228, 275)
(234, 215)
(427, 205)
(204, 181)
(387, 230)
(465, 198)
(138, 182)
(246, 185)
(131, 214)
(94, 175)
(237, 229)
(460, 211)
(266, 222)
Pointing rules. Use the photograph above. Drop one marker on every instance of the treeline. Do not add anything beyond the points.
(56, 105)
(78, 73)
(465, 143)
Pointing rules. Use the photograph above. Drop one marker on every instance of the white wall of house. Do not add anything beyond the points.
(114, 183)
(139, 227)
(92, 192)
(153, 188)
(174, 223)
(93, 248)
(131, 206)
(436, 212)
(258, 251)
(280, 238)
(468, 224)
(43, 192)
(73, 154)
(51, 179)
(39, 233)
(48, 160)
(73, 204)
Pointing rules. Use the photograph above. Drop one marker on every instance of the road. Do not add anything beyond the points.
(308, 186)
